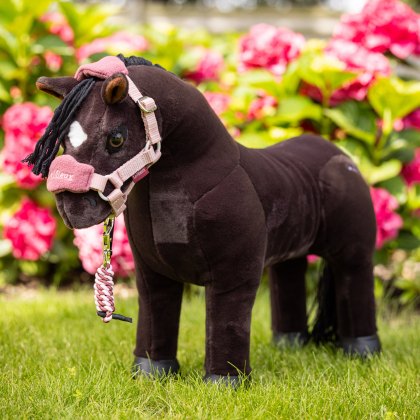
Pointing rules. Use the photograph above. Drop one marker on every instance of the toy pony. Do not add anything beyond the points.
(210, 212)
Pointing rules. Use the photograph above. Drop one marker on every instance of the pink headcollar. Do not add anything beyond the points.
(67, 174)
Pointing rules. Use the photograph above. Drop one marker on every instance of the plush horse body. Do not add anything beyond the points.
(215, 213)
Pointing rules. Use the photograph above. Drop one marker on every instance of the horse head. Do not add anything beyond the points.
(99, 125)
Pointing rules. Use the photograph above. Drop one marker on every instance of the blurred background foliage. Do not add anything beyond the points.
(267, 85)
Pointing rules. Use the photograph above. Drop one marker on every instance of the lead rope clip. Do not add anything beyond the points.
(104, 279)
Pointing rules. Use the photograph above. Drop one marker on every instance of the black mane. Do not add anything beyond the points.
(137, 61)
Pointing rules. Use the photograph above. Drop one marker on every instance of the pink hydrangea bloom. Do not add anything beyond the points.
(21, 171)
(23, 125)
(411, 171)
(123, 42)
(388, 222)
(358, 59)
(209, 65)
(381, 26)
(412, 120)
(262, 106)
(89, 242)
(31, 231)
(218, 101)
(269, 47)
(59, 26)
(53, 61)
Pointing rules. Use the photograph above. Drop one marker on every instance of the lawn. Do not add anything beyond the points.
(59, 361)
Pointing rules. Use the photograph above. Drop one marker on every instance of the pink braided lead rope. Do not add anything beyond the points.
(104, 279)
(104, 291)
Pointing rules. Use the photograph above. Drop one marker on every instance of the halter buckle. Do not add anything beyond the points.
(147, 104)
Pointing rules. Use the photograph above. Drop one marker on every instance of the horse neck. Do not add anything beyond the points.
(198, 138)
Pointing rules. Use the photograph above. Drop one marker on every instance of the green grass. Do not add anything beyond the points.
(57, 360)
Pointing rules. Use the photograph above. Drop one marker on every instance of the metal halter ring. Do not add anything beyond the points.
(143, 107)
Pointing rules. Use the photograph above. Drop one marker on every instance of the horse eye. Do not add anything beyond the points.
(115, 141)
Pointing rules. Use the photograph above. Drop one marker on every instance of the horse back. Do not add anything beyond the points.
(290, 179)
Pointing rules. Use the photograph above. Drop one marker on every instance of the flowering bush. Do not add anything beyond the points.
(268, 47)
(267, 85)
(31, 231)
(207, 66)
(382, 26)
(388, 222)
(23, 125)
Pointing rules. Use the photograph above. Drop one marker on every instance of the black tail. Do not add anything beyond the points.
(325, 327)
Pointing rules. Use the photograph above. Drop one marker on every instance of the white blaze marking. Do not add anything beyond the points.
(76, 134)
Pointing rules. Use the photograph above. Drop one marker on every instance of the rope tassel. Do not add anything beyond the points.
(104, 291)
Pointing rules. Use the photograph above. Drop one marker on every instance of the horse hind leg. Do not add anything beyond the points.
(346, 312)
(288, 302)
(355, 307)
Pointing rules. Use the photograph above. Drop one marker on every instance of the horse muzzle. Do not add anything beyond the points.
(67, 174)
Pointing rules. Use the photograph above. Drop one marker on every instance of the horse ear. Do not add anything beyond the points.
(115, 89)
(56, 86)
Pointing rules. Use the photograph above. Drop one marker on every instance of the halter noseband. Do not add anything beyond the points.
(67, 174)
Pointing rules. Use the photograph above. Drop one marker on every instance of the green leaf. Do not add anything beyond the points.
(5, 247)
(4, 94)
(356, 119)
(254, 140)
(51, 43)
(394, 96)
(324, 72)
(261, 79)
(386, 171)
(88, 21)
(397, 187)
(6, 181)
(294, 109)
(411, 137)
(406, 240)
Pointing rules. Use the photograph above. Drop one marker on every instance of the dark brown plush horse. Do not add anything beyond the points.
(215, 213)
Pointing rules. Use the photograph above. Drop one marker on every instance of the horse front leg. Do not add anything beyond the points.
(228, 324)
(288, 302)
(158, 324)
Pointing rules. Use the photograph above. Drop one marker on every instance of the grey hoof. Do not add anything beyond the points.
(291, 339)
(154, 368)
(361, 346)
(230, 381)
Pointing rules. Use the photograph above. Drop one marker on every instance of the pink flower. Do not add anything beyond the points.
(31, 231)
(53, 61)
(59, 26)
(388, 222)
(357, 59)
(269, 47)
(21, 171)
(121, 42)
(89, 242)
(412, 120)
(23, 125)
(208, 67)
(411, 171)
(383, 25)
(262, 106)
(218, 101)
(312, 258)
